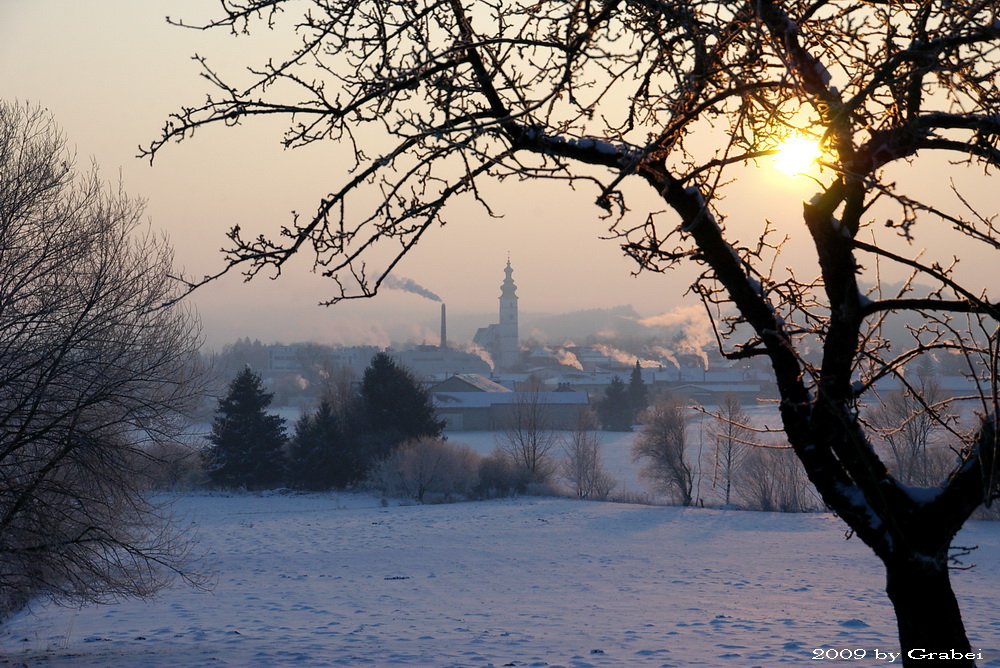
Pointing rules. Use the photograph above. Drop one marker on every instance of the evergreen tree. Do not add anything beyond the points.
(615, 410)
(323, 454)
(247, 442)
(395, 407)
(638, 394)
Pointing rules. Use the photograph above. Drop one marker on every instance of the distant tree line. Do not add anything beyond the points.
(332, 447)
(383, 434)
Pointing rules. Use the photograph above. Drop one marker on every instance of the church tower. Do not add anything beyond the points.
(507, 339)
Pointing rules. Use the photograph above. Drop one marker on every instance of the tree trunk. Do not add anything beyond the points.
(927, 612)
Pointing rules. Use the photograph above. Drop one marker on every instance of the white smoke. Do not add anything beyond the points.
(691, 328)
(478, 351)
(566, 358)
(624, 358)
(408, 285)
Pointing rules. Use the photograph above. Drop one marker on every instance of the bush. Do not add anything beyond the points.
(582, 466)
(772, 479)
(499, 477)
(427, 469)
(171, 467)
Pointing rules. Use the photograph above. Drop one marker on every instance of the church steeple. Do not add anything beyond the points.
(507, 341)
(507, 288)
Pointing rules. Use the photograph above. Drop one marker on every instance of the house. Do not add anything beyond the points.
(468, 402)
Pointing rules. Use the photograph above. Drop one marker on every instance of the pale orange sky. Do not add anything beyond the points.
(111, 72)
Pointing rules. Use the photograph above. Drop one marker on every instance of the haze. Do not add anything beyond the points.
(112, 71)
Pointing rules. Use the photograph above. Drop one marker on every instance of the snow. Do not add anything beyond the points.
(338, 580)
(822, 72)
(705, 216)
(921, 496)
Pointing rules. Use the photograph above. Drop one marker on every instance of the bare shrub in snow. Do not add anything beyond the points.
(427, 468)
(771, 478)
(527, 439)
(498, 476)
(732, 438)
(172, 466)
(912, 428)
(582, 466)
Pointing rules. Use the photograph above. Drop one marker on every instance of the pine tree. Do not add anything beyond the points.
(395, 407)
(638, 394)
(323, 454)
(615, 410)
(247, 442)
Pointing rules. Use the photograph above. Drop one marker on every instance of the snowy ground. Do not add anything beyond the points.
(337, 580)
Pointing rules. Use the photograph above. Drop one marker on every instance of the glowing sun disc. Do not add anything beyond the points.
(796, 155)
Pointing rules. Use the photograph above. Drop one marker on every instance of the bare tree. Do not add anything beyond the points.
(444, 98)
(427, 466)
(771, 479)
(526, 438)
(732, 439)
(96, 377)
(911, 426)
(662, 444)
(582, 465)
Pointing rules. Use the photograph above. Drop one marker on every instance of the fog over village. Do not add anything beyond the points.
(467, 334)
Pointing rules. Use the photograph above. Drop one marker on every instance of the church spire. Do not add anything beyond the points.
(508, 288)
(508, 343)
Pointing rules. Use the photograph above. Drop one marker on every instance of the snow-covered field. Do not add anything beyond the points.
(337, 580)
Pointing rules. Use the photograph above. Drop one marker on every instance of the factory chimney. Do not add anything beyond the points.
(444, 329)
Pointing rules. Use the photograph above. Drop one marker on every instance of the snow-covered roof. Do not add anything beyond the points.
(481, 383)
(487, 399)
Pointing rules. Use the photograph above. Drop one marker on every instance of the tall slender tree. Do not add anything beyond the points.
(732, 438)
(615, 408)
(638, 393)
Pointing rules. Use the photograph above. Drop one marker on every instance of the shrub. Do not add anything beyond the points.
(772, 479)
(499, 477)
(427, 468)
(171, 466)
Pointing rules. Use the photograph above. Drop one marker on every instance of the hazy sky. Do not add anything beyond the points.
(111, 71)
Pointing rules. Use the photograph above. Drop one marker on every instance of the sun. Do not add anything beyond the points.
(796, 155)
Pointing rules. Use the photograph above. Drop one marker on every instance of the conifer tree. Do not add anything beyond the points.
(247, 442)
(323, 454)
(395, 407)
(638, 394)
(615, 410)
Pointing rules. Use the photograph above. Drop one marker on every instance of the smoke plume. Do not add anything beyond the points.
(479, 351)
(408, 285)
(691, 331)
(624, 358)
